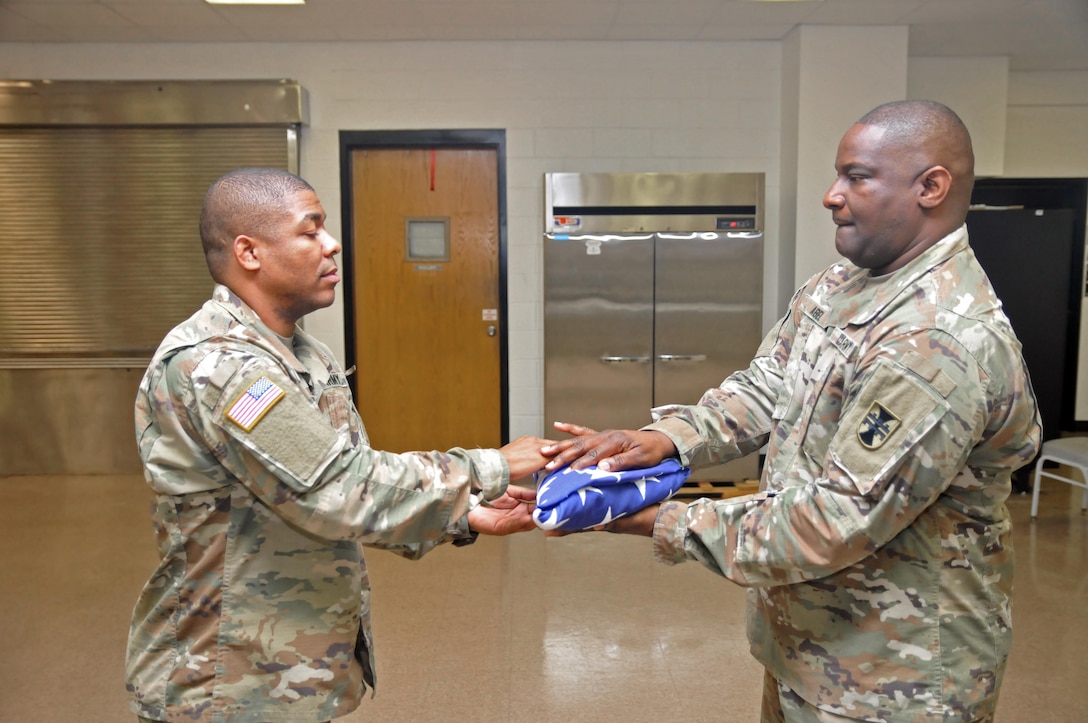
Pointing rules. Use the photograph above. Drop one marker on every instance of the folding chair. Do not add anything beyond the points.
(1070, 451)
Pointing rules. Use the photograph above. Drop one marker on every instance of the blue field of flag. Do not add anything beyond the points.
(579, 499)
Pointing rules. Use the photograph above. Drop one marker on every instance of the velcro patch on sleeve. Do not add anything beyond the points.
(929, 371)
(288, 430)
(256, 401)
(891, 414)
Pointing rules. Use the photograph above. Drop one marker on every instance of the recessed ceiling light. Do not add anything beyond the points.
(255, 2)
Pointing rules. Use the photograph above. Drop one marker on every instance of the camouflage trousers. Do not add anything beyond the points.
(782, 705)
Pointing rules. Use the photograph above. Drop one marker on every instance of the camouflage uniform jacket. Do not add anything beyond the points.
(878, 549)
(266, 488)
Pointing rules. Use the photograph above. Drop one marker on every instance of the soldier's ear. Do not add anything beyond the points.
(246, 253)
(934, 185)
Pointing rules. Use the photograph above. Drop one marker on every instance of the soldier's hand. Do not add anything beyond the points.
(524, 457)
(505, 515)
(612, 449)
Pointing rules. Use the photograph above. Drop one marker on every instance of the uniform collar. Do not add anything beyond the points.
(849, 294)
(233, 305)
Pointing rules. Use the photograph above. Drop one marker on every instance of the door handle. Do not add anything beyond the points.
(491, 330)
(682, 357)
(621, 359)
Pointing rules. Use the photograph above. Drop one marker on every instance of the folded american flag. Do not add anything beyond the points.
(571, 500)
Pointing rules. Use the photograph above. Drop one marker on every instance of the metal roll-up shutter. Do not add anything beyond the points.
(99, 233)
(101, 184)
(100, 201)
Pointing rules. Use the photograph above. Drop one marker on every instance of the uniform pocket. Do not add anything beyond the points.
(885, 422)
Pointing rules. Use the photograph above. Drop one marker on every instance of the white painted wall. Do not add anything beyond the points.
(789, 158)
(1047, 137)
(621, 106)
(1047, 125)
(835, 90)
(977, 89)
(567, 106)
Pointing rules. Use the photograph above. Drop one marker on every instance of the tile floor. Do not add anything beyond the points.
(582, 628)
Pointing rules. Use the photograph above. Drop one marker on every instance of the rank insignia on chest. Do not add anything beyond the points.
(255, 402)
(877, 426)
(337, 380)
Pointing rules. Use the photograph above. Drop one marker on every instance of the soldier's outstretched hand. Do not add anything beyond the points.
(505, 515)
(524, 456)
(612, 449)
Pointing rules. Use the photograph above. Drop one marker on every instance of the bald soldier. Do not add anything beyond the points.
(895, 405)
(266, 485)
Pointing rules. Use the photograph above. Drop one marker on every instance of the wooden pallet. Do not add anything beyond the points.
(693, 490)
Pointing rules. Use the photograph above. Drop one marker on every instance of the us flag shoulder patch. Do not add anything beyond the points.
(255, 402)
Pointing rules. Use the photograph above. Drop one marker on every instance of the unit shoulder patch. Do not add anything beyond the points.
(877, 425)
(892, 413)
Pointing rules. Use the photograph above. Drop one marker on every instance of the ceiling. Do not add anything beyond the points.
(1034, 34)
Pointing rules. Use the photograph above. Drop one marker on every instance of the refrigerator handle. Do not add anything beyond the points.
(682, 357)
(621, 359)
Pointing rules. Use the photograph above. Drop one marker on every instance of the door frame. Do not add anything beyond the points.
(492, 139)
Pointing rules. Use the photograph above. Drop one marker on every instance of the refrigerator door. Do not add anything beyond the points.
(598, 329)
(708, 320)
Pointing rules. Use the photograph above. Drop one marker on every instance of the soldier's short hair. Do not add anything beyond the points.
(245, 201)
(917, 123)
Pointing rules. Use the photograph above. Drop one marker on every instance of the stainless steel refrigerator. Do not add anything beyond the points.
(653, 287)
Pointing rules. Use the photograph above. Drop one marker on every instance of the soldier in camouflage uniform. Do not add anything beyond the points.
(894, 404)
(266, 486)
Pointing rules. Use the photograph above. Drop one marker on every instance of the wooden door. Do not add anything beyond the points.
(427, 336)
